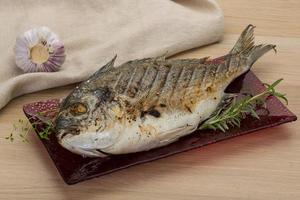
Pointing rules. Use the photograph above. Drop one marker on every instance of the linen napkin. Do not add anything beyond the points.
(93, 31)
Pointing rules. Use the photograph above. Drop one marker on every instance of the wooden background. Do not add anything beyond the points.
(263, 165)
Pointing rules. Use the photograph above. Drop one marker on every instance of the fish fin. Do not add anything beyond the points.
(161, 57)
(226, 100)
(204, 60)
(230, 95)
(105, 68)
(245, 41)
(172, 135)
(257, 51)
(245, 46)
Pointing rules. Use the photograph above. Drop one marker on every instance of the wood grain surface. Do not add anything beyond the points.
(263, 165)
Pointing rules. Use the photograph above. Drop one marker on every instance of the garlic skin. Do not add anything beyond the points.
(39, 50)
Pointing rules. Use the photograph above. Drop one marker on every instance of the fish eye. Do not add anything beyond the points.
(78, 109)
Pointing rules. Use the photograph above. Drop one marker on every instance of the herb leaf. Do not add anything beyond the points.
(22, 127)
(230, 115)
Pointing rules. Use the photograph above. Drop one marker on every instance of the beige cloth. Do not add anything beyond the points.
(94, 31)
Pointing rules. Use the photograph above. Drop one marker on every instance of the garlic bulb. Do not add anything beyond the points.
(39, 50)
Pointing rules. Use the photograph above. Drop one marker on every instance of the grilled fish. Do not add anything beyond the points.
(149, 103)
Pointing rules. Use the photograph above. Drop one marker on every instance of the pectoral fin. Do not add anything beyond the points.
(172, 135)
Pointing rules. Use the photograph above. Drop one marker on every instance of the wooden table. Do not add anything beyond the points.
(263, 165)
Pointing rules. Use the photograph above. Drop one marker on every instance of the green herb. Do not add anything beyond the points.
(22, 127)
(46, 130)
(10, 137)
(231, 114)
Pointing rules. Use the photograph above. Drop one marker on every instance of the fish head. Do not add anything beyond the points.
(81, 125)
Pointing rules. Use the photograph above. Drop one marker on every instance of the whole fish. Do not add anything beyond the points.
(149, 103)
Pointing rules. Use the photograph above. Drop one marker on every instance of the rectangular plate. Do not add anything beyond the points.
(74, 168)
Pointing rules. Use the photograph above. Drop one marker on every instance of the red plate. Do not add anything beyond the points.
(74, 168)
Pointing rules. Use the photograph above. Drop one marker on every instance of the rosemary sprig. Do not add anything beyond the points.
(231, 114)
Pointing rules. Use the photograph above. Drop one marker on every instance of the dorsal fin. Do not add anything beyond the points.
(204, 60)
(161, 57)
(105, 68)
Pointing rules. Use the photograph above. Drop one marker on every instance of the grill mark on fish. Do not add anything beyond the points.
(147, 82)
(189, 81)
(177, 81)
(230, 64)
(118, 79)
(227, 64)
(175, 84)
(191, 78)
(239, 62)
(211, 76)
(143, 80)
(133, 89)
(130, 80)
(121, 86)
(182, 86)
(226, 67)
(196, 88)
(180, 81)
(217, 73)
(233, 64)
(204, 79)
(186, 77)
(193, 91)
(199, 76)
(148, 79)
(159, 83)
(170, 84)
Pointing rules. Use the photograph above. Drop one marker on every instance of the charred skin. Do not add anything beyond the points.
(148, 103)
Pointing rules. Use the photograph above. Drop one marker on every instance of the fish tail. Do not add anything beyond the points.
(245, 46)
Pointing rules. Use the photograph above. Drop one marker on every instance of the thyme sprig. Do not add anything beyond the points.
(231, 114)
(46, 129)
(22, 127)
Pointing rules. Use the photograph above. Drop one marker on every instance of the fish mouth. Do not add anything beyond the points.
(85, 152)
(70, 130)
(73, 139)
